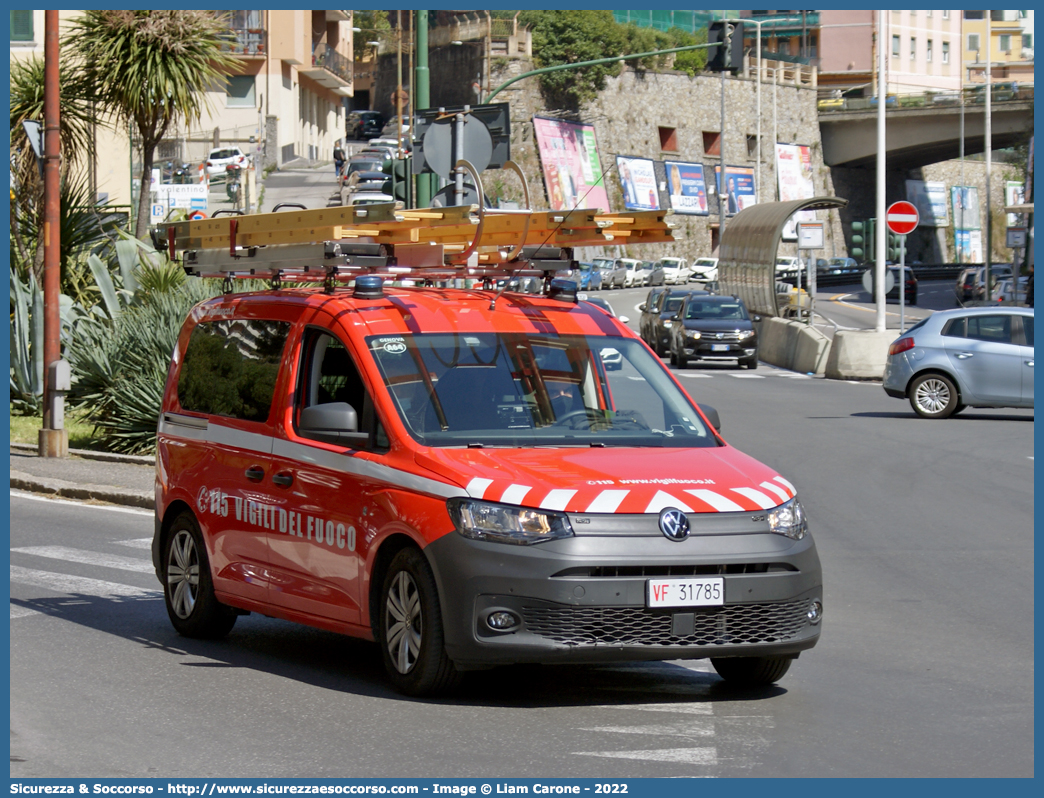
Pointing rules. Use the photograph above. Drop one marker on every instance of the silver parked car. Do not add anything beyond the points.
(971, 357)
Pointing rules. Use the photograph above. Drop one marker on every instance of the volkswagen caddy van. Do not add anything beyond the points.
(458, 477)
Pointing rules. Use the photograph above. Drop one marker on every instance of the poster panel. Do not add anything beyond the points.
(638, 181)
(931, 202)
(965, 201)
(1014, 194)
(969, 246)
(739, 188)
(687, 188)
(569, 158)
(794, 171)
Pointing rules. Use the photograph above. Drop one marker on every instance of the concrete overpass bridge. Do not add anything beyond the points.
(923, 129)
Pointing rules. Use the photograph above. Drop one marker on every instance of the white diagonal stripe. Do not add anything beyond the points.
(688, 729)
(477, 487)
(716, 500)
(136, 543)
(783, 495)
(557, 499)
(607, 501)
(690, 756)
(787, 485)
(89, 558)
(78, 585)
(748, 376)
(756, 496)
(663, 499)
(694, 376)
(515, 494)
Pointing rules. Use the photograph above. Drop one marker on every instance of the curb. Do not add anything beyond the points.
(88, 454)
(72, 490)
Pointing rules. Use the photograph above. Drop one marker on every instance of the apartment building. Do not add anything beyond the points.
(1010, 50)
(285, 98)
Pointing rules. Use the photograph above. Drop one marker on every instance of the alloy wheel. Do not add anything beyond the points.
(403, 622)
(933, 395)
(183, 574)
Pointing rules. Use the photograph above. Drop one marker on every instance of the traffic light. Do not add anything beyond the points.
(863, 240)
(400, 184)
(728, 55)
(896, 247)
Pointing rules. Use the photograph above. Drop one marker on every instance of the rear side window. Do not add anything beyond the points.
(231, 367)
(1027, 328)
(955, 328)
(996, 329)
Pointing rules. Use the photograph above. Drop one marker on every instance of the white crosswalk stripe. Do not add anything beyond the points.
(89, 558)
(137, 543)
(748, 376)
(687, 729)
(78, 585)
(689, 756)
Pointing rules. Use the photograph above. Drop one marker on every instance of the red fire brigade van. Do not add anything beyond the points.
(455, 474)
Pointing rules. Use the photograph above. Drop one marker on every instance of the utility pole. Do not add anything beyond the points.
(989, 161)
(879, 265)
(723, 207)
(422, 91)
(53, 439)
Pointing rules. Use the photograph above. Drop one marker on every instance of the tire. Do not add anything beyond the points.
(751, 671)
(933, 396)
(682, 360)
(411, 635)
(188, 586)
(750, 363)
(674, 358)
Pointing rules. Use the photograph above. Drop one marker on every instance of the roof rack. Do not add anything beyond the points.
(333, 244)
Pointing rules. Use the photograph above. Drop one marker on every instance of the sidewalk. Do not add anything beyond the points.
(310, 183)
(118, 479)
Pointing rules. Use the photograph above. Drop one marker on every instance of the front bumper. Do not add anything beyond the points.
(704, 348)
(583, 599)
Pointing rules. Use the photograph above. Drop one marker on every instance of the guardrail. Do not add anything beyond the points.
(973, 96)
(931, 271)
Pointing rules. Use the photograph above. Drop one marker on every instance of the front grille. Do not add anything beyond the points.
(735, 624)
(712, 337)
(618, 571)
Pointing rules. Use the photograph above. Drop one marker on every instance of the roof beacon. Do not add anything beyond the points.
(368, 286)
(563, 290)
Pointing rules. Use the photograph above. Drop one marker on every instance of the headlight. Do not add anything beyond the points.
(503, 523)
(693, 334)
(788, 519)
(668, 324)
(745, 334)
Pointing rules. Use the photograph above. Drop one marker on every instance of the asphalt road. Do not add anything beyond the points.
(925, 667)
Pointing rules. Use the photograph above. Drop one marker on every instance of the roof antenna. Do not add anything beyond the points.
(493, 302)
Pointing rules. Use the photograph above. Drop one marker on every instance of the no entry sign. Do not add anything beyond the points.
(901, 218)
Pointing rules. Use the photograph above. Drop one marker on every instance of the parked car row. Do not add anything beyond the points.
(693, 325)
(634, 273)
(971, 282)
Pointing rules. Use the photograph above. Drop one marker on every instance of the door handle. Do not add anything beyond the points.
(964, 355)
(255, 473)
(284, 479)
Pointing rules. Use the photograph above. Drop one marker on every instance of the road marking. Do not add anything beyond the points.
(694, 376)
(78, 585)
(19, 494)
(684, 709)
(89, 558)
(748, 376)
(136, 543)
(676, 730)
(689, 756)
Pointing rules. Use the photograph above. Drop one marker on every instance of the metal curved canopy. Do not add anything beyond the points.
(747, 260)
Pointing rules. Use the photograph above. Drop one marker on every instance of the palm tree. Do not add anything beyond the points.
(151, 69)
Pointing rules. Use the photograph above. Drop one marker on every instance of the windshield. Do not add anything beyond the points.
(705, 262)
(715, 310)
(673, 303)
(521, 390)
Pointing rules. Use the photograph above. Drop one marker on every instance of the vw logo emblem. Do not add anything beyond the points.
(674, 524)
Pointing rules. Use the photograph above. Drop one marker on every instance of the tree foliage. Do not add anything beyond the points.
(568, 37)
(151, 69)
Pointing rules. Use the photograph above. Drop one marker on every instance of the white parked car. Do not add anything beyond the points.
(787, 265)
(675, 271)
(704, 270)
(369, 198)
(220, 157)
(635, 275)
(1003, 291)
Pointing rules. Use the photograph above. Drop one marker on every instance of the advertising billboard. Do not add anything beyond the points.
(965, 200)
(1014, 194)
(686, 188)
(638, 181)
(572, 171)
(794, 171)
(969, 246)
(931, 202)
(739, 188)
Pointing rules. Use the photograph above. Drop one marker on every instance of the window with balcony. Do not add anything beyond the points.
(247, 31)
(946, 52)
(928, 51)
(240, 92)
(895, 47)
(21, 26)
(1005, 42)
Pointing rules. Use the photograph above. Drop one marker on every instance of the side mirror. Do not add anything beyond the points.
(756, 317)
(675, 317)
(641, 307)
(334, 422)
(623, 319)
(712, 416)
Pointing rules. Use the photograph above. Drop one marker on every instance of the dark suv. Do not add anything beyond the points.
(658, 313)
(713, 328)
(362, 125)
